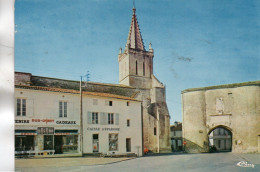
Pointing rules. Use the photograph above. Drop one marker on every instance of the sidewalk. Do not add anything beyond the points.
(62, 162)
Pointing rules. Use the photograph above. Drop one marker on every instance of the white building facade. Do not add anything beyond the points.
(47, 121)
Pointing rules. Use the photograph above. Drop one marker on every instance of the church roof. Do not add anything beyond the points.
(134, 39)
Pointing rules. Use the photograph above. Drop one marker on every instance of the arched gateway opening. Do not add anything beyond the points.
(220, 139)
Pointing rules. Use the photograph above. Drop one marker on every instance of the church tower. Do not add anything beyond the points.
(136, 70)
(135, 63)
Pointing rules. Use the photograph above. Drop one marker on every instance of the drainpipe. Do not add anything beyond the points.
(158, 131)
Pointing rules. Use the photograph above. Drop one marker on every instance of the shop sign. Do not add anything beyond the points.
(102, 129)
(26, 134)
(43, 120)
(65, 134)
(21, 121)
(65, 122)
(45, 130)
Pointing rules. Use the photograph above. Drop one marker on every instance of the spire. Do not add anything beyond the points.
(134, 39)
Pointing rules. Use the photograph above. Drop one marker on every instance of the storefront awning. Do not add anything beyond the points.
(25, 132)
(66, 132)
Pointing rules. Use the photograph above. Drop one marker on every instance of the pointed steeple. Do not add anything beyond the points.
(134, 39)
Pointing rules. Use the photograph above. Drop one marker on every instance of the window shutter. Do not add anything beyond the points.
(29, 107)
(16, 106)
(117, 119)
(89, 118)
(104, 118)
(70, 110)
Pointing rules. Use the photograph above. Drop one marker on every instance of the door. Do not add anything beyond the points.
(95, 143)
(48, 142)
(128, 145)
(58, 144)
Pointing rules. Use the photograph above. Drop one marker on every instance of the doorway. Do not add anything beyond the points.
(128, 145)
(95, 143)
(48, 142)
(220, 140)
(58, 144)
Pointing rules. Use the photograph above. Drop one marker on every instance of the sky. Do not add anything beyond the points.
(196, 43)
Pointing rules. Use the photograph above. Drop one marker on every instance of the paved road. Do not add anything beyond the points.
(226, 162)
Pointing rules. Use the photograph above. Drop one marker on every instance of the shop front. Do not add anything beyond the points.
(25, 140)
(66, 141)
(46, 140)
(60, 141)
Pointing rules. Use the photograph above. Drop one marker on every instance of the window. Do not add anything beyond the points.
(94, 118)
(110, 118)
(127, 103)
(154, 131)
(136, 68)
(63, 109)
(128, 123)
(95, 102)
(143, 69)
(108, 103)
(21, 107)
(113, 142)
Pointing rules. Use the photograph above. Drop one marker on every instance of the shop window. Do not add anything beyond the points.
(128, 123)
(21, 107)
(113, 142)
(154, 131)
(63, 109)
(110, 118)
(65, 143)
(94, 118)
(24, 143)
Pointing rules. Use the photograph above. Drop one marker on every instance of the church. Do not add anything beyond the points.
(136, 70)
(136, 83)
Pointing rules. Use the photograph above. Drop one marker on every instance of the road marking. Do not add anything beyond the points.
(245, 164)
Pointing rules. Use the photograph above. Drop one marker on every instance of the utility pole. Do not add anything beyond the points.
(81, 112)
(81, 118)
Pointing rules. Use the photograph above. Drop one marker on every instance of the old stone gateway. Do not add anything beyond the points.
(226, 117)
(220, 139)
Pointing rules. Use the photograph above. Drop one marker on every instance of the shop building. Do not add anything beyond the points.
(47, 121)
